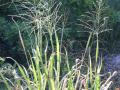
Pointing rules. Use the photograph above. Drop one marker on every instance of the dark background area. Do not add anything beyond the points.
(10, 45)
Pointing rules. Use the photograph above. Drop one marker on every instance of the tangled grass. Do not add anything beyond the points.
(41, 19)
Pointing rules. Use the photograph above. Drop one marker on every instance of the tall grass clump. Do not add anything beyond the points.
(44, 64)
(41, 19)
(95, 22)
(43, 24)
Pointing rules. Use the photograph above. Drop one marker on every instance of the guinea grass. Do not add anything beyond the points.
(44, 66)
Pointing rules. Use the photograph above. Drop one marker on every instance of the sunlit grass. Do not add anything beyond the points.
(45, 57)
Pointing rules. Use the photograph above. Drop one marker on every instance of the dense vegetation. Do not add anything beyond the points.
(57, 44)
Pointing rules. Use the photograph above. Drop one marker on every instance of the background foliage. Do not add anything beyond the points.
(72, 11)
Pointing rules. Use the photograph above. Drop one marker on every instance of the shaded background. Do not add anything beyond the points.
(75, 42)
